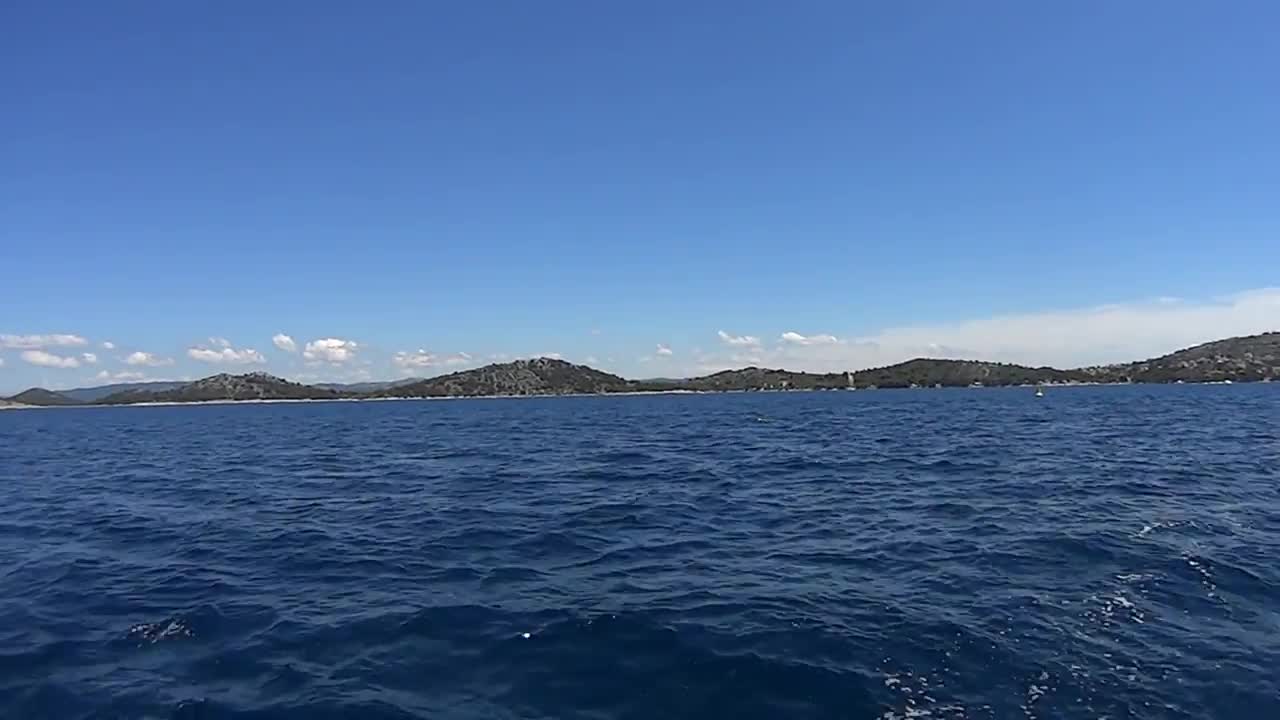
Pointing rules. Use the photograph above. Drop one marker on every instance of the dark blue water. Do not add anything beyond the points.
(1102, 552)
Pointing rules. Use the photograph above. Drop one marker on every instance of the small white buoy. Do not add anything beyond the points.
(526, 636)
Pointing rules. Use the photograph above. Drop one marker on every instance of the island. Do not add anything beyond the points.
(1254, 358)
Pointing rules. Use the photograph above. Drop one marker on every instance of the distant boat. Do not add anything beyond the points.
(1039, 392)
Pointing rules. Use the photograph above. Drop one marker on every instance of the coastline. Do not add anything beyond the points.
(629, 393)
(1244, 360)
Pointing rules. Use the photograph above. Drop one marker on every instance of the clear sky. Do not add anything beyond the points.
(828, 184)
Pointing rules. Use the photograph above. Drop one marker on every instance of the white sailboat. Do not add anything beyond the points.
(1039, 391)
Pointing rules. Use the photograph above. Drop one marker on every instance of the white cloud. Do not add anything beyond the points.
(549, 356)
(90, 358)
(1102, 334)
(662, 351)
(36, 342)
(591, 360)
(107, 376)
(108, 345)
(331, 350)
(219, 342)
(796, 338)
(284, 342)
(1066, 338)
(148, 359)
(226, 354)
(424, 359)
(418, 359)
(739, 340)
(49, 360)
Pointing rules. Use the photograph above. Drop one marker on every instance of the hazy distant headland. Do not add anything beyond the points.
(1255, 358)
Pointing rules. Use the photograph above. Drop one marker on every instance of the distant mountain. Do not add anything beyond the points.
(42, 397)
(368, 387)
(90, 394)
(541, 376)
(755, 378)
(921, 372)
(926, 372)
(1239, 359)
(252, 386)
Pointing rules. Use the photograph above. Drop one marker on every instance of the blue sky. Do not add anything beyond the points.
(475, 181)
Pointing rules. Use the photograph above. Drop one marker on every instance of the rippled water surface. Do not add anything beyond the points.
(1100, 552)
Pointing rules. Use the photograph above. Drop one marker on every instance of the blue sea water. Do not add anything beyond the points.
(1101, 552)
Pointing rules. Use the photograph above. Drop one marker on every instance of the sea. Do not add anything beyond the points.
(1101, 552)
